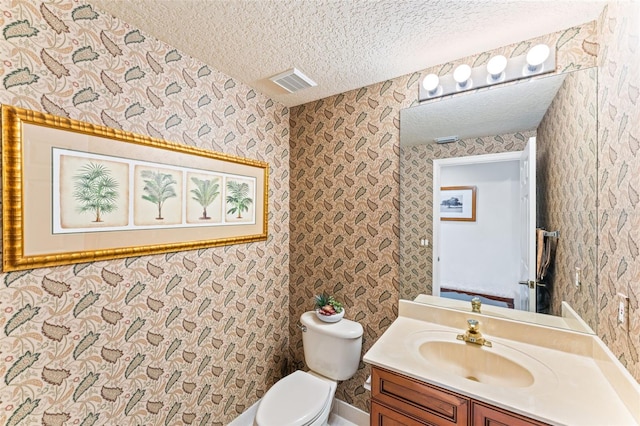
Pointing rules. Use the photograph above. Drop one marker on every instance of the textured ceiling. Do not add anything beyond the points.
(342, 45)
(497, 111)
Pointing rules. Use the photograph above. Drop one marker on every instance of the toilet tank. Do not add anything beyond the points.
(331, 349)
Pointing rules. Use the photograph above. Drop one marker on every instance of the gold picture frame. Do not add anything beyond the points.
(458, 203)
(76, 192)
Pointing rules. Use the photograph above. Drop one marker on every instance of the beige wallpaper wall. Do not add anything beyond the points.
(196, 337)
(416, 202)
(567, 155)
(344, 211)
(619, 178)
(345, 168)
(184, 338)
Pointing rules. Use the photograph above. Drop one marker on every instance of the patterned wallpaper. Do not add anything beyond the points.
(416, 202)
(619, 178)
(344, 211)
(196, 337)
(345, 167)
(184, 338)
(567, 155)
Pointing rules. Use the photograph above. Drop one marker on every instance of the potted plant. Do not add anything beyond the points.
(328, 309)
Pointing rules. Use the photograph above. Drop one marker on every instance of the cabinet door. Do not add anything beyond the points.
(484, 415)
(383, 416)
(419, 400)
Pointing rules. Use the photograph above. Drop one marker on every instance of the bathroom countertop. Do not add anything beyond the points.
(571, 386)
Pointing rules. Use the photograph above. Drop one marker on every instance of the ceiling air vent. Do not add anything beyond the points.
(447, 139)
(293, 80)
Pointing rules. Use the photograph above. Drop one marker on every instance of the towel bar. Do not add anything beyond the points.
(553, 234)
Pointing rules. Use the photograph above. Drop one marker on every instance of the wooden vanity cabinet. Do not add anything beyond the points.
(397, 400)
(384, 416)
(488, 415)
(414, 402)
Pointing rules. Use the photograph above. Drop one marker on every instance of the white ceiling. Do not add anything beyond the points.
(341, 44)
(496, 111)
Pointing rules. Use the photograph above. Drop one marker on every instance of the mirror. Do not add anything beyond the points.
(560, 111)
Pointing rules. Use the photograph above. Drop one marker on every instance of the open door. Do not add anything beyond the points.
(527, 286)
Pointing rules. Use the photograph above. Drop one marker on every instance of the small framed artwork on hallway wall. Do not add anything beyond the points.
(458, 203)
(76, 192)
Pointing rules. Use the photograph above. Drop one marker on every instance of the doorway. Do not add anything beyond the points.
(482, 257)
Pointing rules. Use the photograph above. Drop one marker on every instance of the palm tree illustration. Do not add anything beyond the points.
(238, 198)
(95, 190)
(205, 193)
(159, 188)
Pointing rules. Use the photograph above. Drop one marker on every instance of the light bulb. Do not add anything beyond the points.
(462, 76)
(495, 68)
(536, 57)
(431, 84)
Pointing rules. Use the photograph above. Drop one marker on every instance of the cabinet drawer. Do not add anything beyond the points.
(384, 416)
(484, 415)
(417, 399)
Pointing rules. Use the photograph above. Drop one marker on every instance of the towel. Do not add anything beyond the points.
(539, 252)
(543, 254)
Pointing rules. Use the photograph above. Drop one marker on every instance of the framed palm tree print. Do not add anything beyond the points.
(76, 192)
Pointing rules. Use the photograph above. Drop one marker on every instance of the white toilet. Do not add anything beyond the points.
(332, 352)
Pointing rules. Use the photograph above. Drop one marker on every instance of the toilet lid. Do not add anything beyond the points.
(295, 400)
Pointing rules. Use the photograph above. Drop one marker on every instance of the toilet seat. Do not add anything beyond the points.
(296, 400)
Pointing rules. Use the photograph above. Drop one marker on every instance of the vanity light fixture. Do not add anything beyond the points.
(536, 57)
(462, 76)
(495, 68)
(431, 84)
(540, 59)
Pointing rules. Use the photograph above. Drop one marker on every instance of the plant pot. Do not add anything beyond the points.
(330, 318)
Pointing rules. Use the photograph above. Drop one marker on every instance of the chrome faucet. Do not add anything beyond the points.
(476, 304)
(473, 335)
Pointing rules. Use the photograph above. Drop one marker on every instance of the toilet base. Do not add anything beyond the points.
(326, 412)
(323, 418)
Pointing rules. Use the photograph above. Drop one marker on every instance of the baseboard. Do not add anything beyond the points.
(350, 413)
(246, 418)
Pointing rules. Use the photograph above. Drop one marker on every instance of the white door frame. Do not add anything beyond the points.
(528, 273)
(448, 162)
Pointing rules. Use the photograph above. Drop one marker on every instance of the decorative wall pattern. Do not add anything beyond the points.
(416, 202)
(184, 338)
(567, 155)
(345, 193)
(619, 179)
(344, 211)
(197, 337)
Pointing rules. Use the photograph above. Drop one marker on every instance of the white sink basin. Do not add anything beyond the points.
(499, 365)
(476, 363)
